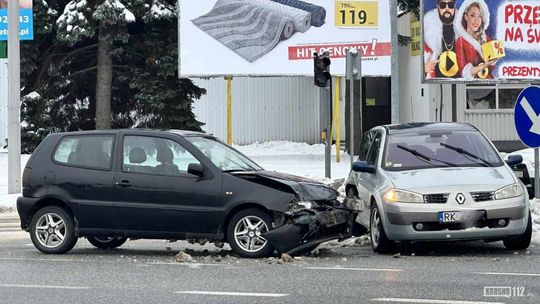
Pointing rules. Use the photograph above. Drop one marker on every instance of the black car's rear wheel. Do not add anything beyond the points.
(244, 233)
(521, 242)
(52, 230)
(106, 242)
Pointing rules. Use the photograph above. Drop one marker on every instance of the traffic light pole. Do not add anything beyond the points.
(328, 148)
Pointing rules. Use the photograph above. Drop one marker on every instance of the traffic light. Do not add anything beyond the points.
(321, 65)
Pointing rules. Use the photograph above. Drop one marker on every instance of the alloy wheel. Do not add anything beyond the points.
(375, 227)
(248, 231)
(50, 230)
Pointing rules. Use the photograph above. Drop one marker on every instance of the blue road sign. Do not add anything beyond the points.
(526, 117)
(26, 24)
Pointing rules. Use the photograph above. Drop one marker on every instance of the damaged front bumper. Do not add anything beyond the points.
(304, 229)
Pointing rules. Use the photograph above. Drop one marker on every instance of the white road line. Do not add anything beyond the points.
(42, 286)
(357, 269)
(429, 301)
(510, 274)
(39, 260)
(191, 265)
(238, 294)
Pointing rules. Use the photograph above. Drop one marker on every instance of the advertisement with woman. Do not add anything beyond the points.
(481, 40)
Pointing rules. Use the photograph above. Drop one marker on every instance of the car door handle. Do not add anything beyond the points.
(123, 183)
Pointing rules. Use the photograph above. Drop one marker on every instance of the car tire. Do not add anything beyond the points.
(523, 241)
(244, 233)
(106, 242)
(52, 230)
(379, 241)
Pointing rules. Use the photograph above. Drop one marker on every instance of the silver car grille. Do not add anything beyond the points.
(482, 196)
(436, 198)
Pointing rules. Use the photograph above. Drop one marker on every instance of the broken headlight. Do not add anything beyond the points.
(300, 205)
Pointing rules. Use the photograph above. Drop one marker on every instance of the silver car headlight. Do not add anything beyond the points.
(402, 196)
(510, 191)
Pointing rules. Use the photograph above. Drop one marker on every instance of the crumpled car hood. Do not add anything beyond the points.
(306, 189)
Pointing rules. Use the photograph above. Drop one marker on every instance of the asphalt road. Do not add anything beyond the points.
(146, 271)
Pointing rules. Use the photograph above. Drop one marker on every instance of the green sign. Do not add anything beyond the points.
(3, 49)
(370, 102)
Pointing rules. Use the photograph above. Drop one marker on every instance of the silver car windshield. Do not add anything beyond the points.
(223, 156)
(421, 150)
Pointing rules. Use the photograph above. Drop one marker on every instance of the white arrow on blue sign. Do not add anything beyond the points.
(526, 117)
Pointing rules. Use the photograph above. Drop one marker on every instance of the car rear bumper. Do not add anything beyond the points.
(24, 208)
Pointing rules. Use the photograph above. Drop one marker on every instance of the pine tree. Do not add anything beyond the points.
(60, 73)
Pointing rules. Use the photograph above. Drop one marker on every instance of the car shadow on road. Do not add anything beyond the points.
(460, 248)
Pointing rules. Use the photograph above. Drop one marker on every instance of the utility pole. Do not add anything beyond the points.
(353, 73)
(394, 61)
(14, 99)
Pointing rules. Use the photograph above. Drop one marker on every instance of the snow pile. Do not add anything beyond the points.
(8, 201)
(535, 211)
(297, 158)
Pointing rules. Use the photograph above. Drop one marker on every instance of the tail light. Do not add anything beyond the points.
(26, 176)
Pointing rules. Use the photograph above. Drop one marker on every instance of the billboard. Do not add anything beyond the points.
(481, 40)
(26, 20)
(279, 37)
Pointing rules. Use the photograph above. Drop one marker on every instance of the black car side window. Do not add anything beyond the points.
(155, 155)
(364, 147)
(85, 151)
(374, 149)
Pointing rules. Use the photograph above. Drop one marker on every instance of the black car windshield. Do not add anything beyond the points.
(431, 149)
(223, 156)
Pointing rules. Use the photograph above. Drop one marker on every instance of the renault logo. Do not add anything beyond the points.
(460, 198)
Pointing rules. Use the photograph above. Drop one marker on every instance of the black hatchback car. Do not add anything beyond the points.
(109, 186)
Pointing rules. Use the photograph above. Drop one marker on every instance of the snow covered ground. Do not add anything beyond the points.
(289, 157)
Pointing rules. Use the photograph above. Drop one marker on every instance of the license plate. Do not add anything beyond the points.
(519, 174)
(450, 217)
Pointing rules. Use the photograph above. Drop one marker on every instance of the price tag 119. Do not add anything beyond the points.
(356, 14)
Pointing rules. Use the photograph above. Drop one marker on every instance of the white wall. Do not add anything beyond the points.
(3, 102)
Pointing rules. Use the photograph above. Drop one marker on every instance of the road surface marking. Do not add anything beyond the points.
(358, 269)
(191, 265)
(510, 274)
(40, 260)
(42, 286)
(238, 294)
(429, 301)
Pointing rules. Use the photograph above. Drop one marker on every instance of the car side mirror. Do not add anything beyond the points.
(514, 160)
(196, 169)
(362, 166)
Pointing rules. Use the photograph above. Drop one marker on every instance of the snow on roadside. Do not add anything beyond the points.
(297, 158)
(8, 202)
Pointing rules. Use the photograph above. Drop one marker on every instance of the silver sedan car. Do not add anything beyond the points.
(437, 181)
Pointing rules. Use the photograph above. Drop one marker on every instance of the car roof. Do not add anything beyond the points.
(183, 133)
(427, 127)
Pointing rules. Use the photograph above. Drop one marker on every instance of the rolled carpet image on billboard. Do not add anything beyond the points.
(481, 40)
(252, 28)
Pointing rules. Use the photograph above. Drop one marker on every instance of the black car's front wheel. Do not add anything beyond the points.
(106, 242)
(244, 233)
(52, 230)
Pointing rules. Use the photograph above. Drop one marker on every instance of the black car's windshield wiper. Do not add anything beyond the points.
(237, 170)
(425, 157)
(482, 161)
